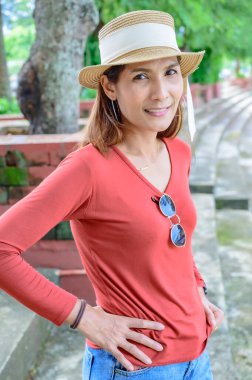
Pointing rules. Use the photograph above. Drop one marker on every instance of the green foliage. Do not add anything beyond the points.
(2, 162)
(17, 12)
(9, 107)
(209, 68)
(200, 25)
(240, 75)
(92, 53)
(10, 175)
(63, 231)
(197, 22)
(17, 158)
(19, 31)
(18, 42)
(88, 93)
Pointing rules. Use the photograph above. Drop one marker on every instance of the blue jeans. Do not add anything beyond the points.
(99, 364)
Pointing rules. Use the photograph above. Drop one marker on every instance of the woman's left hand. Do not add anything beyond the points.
(214, 314)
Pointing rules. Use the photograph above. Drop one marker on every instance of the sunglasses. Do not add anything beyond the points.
(167, 207)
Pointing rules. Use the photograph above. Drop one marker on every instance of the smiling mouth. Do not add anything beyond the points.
(157, 111)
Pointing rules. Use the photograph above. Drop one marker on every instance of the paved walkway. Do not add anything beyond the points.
(235, 252)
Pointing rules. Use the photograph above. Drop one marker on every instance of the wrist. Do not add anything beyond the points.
(86, 317)
(73, 314)
(77, 312)
(79, 315)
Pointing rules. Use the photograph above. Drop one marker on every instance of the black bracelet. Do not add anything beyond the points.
(205, 289)
(81, 311)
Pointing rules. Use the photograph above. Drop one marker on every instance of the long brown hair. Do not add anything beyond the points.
(102, 128)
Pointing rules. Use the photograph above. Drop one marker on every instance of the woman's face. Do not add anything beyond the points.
(148, 93)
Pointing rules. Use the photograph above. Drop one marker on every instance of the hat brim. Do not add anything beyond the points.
(89, 76)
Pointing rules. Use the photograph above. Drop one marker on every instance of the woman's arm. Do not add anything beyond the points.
(214, 314)
(63, 195)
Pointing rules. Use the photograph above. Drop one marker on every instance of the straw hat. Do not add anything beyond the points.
(136, 37)
(140, 36)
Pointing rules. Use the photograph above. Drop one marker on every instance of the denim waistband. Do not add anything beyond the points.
(99, 364)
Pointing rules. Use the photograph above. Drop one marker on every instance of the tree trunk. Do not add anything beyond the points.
(4, 77)
(237, 67)
(48, 88)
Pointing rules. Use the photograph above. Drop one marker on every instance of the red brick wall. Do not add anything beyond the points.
(25, 160)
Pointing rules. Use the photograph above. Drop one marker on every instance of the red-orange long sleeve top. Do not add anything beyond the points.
(124, 243)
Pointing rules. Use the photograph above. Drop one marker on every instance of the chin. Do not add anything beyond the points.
(161, 125)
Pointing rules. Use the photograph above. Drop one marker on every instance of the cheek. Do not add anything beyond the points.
(178, 89)
(130, 99)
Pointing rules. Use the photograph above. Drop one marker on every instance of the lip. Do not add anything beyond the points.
(157, 111)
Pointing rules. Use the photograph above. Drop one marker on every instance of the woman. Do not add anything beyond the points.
(125, 191)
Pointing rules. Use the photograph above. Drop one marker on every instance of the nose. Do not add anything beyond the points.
(159, 90)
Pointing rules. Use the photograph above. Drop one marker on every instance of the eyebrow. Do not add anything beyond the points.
(149, 70)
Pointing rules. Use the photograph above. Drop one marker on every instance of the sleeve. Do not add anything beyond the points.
(63, 195)
(199, 279)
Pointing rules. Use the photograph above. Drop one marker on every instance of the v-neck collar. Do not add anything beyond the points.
(139, 174)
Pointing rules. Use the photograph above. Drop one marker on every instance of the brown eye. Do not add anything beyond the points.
(175, 71)
(138, 76)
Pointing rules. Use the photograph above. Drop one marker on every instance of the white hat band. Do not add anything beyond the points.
(134, 37)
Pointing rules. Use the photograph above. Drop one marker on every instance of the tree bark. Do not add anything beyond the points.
(237, 67)
(4, 76)
(48, 87)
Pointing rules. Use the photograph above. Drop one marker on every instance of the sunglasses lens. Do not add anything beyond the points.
(178, 235)
(167, 206)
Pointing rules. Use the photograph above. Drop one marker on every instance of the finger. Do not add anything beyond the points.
(210, 317)
(121, 358)
(219, 316)
(218, 313)
(144, 340)
(144, 323)
(135, 351)
(216, 310)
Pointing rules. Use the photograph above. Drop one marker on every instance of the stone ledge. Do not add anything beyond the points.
(202, 188)
(235, 203)
(40, 139)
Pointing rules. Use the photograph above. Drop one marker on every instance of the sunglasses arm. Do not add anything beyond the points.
(155, 200)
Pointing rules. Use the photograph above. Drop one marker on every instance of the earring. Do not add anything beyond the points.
(114, 110)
